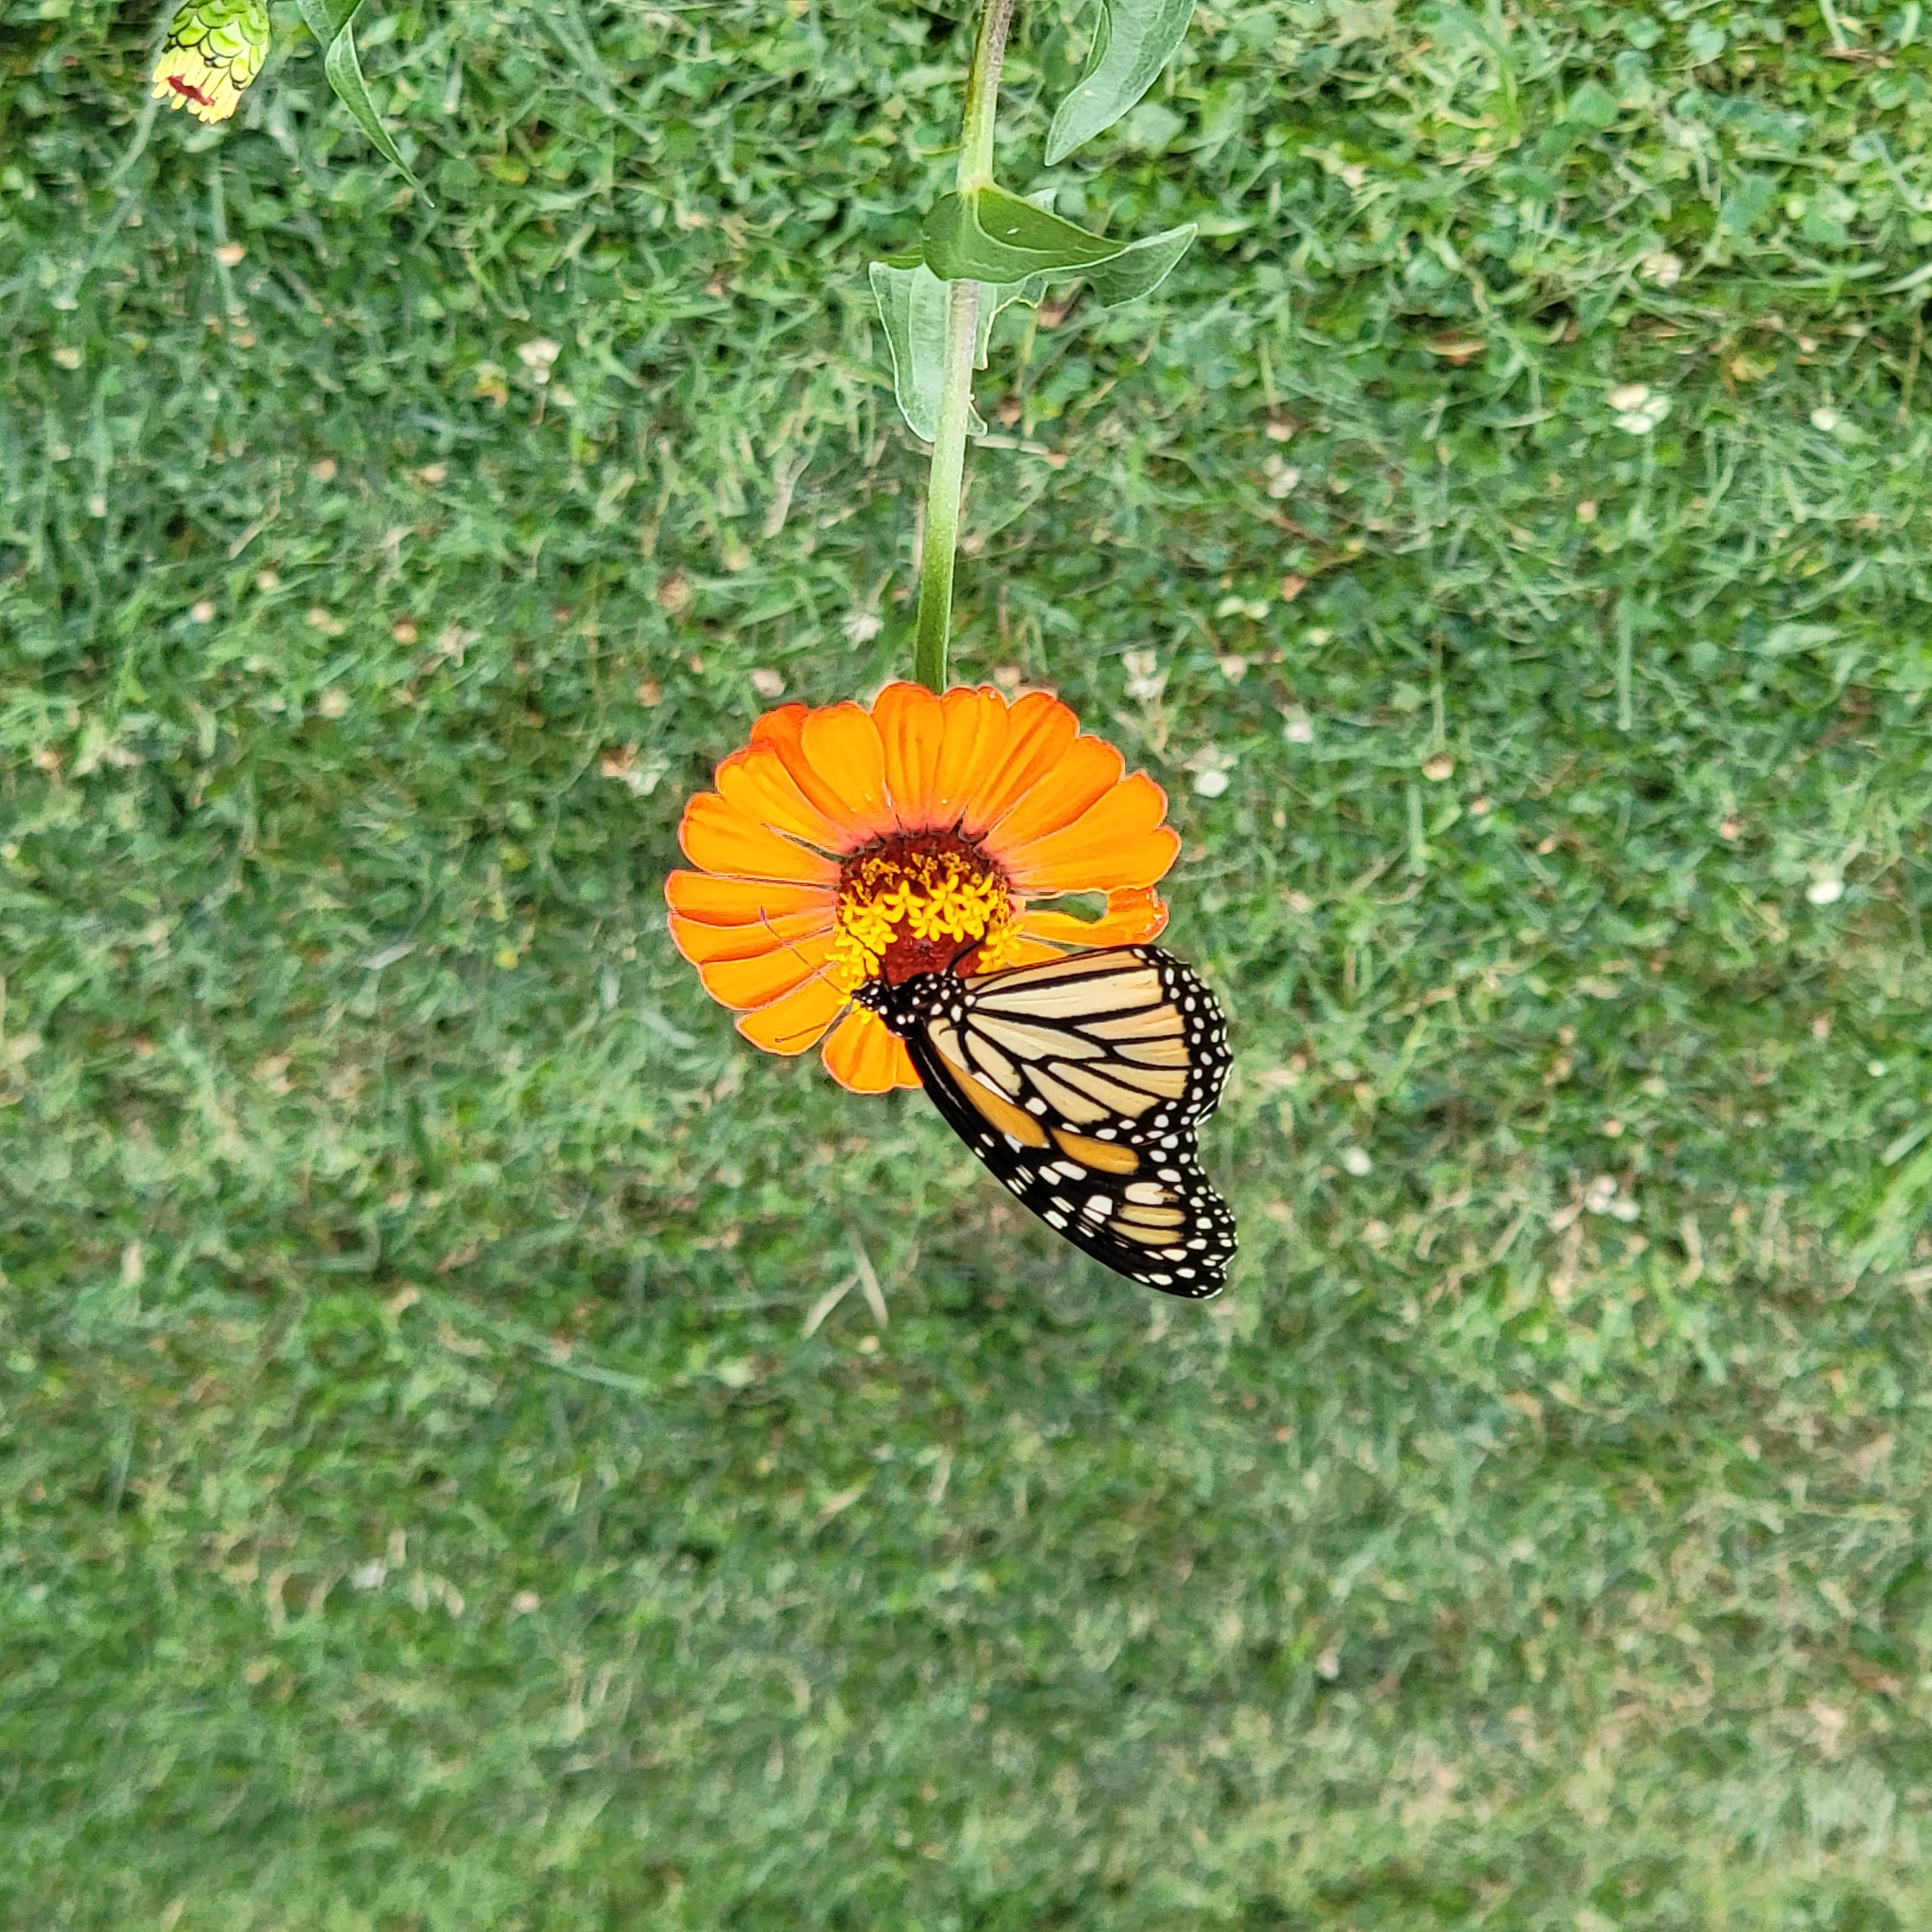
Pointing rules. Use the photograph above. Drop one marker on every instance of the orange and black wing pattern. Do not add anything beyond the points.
(1082, 1083)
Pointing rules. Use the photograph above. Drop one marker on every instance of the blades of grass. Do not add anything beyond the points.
(1626, 647)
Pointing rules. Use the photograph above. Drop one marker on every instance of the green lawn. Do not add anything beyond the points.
(421, 1507)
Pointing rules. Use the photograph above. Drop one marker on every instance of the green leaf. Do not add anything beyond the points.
(1593, 106)
(995, 296)
(912, 305)
(1012, 248)
(332, 22)
(990, 236)
(1133, 43)
(325, 19)
(1748, 203)
(1139, 270)
(1897, 1216)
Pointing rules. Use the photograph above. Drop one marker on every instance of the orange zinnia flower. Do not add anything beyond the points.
(843, 845)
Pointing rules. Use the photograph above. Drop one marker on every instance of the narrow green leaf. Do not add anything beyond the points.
(992, 236)
(993, 296)
(332, 22)
(1134, 41)
(1139, 270)
(1897, 1215)
(345, 75)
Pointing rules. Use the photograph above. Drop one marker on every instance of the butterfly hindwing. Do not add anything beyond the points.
(1080, 1083)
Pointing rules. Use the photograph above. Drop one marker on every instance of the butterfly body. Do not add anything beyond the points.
(1081, 1083)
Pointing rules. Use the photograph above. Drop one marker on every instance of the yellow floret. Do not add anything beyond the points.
(926, 896)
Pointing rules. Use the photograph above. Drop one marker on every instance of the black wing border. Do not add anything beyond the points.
(1134, 1263)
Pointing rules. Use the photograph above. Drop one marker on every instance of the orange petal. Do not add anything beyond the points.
(1089, 769)
(719, 838)
(783, 732)
(911, 727)
(973, 735)
(779, 726)
(834, 757)
(1132, 916)
(1118, 841)
(841, 744)
(797, 1021)
(1030, 951)
(1039, 730)
(756, 782)
(765, 976)
(742, 901)
(862, 1055)
(702, 944)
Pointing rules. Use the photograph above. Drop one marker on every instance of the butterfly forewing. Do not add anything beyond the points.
(1131, 1026)
(1081, 1083)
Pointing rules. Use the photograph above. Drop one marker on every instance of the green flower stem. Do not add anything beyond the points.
(943, 486)
(982, 92)
(955, 394)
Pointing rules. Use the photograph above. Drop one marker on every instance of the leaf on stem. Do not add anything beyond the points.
(1133, 42)
(995, 296)
(1025, 245)
(912, 304)
(990, 236)
(333, 23)
(1140, 268)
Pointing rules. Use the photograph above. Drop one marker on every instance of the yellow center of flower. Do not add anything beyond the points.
(918, 905)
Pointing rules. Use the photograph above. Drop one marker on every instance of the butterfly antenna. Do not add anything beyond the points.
(817, 973)
(790, 946)
(799, 1033)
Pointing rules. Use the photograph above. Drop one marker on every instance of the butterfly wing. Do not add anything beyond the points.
(1081, 1083)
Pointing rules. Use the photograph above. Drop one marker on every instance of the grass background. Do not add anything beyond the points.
(420, 1507)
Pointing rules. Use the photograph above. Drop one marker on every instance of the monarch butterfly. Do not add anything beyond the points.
(1080, 1083)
